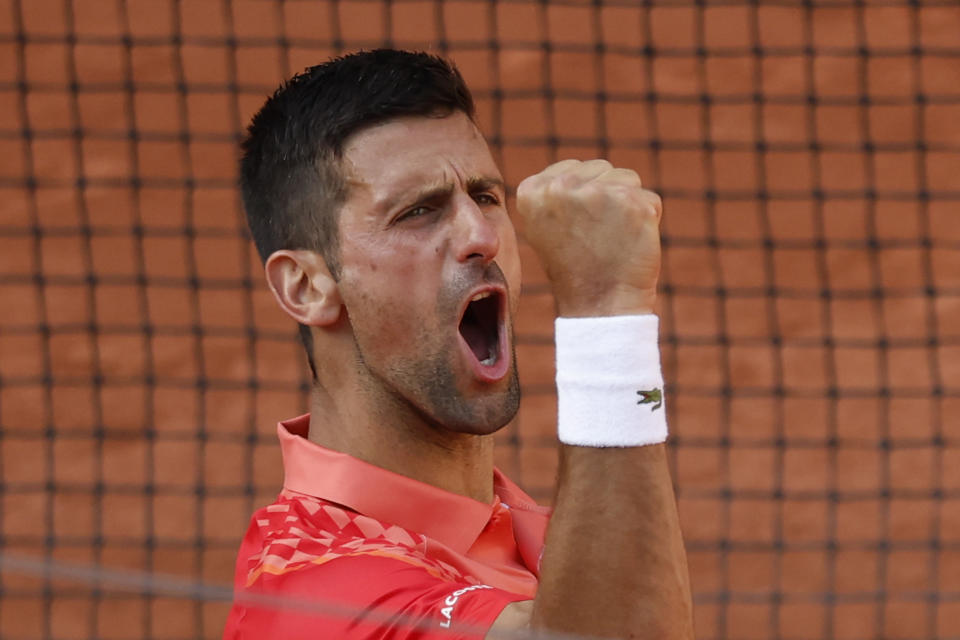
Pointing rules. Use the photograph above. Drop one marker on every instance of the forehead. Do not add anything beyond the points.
(403, 153)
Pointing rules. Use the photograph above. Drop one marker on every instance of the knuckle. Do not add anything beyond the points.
(524, 187)
(562, 184)
(561, 167)
(654, 199)
(530, 187)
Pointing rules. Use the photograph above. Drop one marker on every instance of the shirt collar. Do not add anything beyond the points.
(449, 518)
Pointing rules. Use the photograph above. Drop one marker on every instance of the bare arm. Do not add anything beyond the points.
(614, 563)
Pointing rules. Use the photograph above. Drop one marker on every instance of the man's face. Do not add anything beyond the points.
(430, 273)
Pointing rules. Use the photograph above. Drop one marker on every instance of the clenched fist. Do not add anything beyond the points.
(597, 233)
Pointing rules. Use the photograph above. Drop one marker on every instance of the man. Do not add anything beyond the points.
(380, 215)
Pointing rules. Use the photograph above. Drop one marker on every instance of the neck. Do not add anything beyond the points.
(391, 435)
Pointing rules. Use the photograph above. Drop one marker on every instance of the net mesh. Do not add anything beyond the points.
(809, 158)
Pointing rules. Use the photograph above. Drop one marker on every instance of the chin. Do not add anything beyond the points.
(478, 429)
(479, 416)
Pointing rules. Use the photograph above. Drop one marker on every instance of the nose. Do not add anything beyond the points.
(476, 234)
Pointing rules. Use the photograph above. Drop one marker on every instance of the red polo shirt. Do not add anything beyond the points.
(350, 550)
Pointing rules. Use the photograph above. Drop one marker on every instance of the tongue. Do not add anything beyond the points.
(473, 334)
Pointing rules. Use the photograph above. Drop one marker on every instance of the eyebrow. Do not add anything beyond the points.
(478, 183)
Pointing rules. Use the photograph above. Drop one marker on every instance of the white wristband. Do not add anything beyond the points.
(609, 385)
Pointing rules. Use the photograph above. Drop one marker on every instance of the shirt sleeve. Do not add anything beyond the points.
(365, 596)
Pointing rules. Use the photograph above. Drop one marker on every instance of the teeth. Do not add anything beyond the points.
(489, 361)
(480, 296)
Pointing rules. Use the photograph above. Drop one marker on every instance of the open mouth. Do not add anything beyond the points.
(480, 327)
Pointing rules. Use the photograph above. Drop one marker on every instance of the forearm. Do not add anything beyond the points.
(614, 563)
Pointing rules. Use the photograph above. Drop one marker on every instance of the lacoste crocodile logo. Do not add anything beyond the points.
(652, 396)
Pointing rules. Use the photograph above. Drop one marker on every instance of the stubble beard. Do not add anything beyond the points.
(426, 387)
(448, 408)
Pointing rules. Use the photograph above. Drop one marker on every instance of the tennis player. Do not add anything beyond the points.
(381, 218)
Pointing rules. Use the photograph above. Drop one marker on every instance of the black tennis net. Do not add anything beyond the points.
(808, 154)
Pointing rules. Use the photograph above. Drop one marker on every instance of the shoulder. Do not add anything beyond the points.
(296, 533)
(308, 564)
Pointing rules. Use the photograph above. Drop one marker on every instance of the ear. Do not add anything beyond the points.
(303, 286)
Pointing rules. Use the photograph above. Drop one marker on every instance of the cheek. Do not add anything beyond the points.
(381, 322)
(385, 295)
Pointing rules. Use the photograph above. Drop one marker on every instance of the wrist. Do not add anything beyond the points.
(625, 301)
(609, 384)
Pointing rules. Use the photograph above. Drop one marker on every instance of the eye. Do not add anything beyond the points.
(486, 198)
(415, 212)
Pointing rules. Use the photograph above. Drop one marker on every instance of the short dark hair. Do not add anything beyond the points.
(290, 175)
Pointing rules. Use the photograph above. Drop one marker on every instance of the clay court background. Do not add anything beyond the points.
(809, 158)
